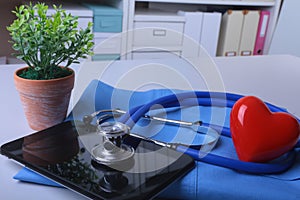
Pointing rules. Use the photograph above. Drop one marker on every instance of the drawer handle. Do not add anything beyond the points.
(105, 24)
(159, 32)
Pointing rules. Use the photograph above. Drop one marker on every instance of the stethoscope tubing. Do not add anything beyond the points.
(248, 167)
(211, 99)
(184, 99)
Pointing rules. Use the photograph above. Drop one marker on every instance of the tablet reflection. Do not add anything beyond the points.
(47, 147)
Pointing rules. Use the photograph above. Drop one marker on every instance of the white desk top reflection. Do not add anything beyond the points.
(275, 79)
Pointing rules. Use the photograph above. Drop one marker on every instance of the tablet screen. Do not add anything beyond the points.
(62, 154)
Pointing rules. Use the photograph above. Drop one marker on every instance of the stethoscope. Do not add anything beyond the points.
(187, 99)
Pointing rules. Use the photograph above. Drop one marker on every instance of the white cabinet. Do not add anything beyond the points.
(106, 43)
(163, 34)
(157, 24)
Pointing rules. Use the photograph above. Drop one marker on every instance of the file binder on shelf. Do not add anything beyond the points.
(230, 33)
(210, 32)
(249, 31)
(261, 32)
(200, 28)
(192, 33)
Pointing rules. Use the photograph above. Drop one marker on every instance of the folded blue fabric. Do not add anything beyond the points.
(27, 175)
(205, 181)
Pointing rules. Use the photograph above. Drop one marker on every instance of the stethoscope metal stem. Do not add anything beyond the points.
(173, 121)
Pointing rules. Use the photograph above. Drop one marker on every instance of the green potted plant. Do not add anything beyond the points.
(48, 45)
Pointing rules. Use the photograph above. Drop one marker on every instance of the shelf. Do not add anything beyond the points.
(157, 15)
(217, 2)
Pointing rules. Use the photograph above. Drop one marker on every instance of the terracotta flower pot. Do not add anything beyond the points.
(45, 102)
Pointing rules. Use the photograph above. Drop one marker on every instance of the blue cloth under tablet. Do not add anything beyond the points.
(205, 181)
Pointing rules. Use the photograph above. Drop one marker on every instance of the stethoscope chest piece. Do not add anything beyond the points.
(111, 150)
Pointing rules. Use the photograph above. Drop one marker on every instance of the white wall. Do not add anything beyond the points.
(5, 20)
(286, 38)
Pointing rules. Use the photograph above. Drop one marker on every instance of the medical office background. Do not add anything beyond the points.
(282, 35)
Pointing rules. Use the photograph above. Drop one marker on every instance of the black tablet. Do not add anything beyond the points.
(60, 154)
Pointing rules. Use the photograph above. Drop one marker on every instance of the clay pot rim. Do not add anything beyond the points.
(16, 76)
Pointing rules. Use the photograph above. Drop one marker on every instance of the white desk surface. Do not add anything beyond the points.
(275, 79)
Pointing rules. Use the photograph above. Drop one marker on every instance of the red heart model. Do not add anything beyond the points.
(258, 134)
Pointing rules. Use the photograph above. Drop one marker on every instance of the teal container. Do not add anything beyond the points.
(106, 18)
(99, 57)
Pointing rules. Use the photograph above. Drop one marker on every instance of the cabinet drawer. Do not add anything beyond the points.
(106, 18)
(155, 55)
(157, 34)
(107, 45)
(107, 23)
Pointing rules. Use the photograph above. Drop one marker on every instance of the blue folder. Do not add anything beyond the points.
(205, 181)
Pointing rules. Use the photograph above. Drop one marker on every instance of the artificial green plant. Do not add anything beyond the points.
(45, 43)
